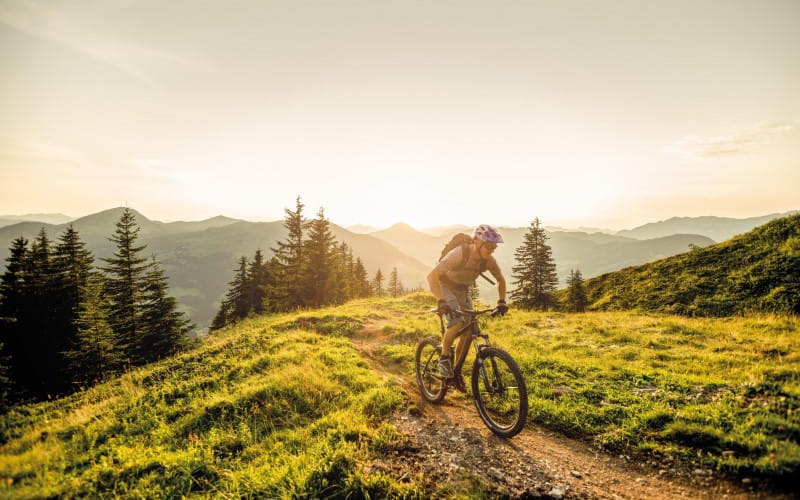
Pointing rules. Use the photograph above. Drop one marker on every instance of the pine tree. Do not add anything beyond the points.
(350, 272)
(273, 288)
(95, 353)
(576, 297)
(290, 256)
(165, 329)
(236, 304)
(221, 318)
(126, 270)
(535, 271)
(256, 283)
(42, 328)
(73, 264)
(377, 283)
(362, 279)
(393, 287)
(237, 299)
(14, 296)
(318, 276)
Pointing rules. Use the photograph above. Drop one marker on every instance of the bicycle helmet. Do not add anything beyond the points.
(487, 233)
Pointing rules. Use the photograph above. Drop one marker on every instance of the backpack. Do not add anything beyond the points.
(463, 240)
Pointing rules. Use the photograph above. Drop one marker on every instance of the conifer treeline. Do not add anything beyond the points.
(309, 269)
(66, 324)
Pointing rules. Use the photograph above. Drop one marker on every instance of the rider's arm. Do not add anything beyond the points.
(498, 275)
(449, 262)
(433, 282)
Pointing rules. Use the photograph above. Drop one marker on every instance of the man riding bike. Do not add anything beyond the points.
(450, 282)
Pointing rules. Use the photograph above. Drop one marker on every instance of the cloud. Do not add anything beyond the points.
(731, 143)
(144, 63)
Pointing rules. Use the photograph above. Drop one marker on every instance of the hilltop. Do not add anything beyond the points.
(756, 271)
(324, 403)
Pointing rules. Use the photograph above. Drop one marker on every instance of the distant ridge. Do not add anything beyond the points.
(756, 271)
(362, 229)
(7, 220)
(716, 228)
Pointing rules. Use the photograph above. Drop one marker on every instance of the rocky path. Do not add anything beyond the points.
(450, 448)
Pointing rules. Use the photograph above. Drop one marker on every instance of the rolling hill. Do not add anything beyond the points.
(756, 271)
(716, 228)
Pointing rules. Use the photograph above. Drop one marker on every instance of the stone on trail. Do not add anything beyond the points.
(575, 474)
(556, 493)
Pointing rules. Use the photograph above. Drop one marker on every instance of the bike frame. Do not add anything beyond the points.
(476, 334)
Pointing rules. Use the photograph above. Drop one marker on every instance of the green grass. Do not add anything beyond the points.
(722, 392)
(284, 406)
(273, 407)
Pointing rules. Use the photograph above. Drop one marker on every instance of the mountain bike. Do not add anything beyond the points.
(497, 385)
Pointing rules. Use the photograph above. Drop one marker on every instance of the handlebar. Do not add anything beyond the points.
(470, 311)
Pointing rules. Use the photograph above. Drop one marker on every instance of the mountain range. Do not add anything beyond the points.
(199, 256)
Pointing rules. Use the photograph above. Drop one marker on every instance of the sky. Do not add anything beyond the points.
(582, 113)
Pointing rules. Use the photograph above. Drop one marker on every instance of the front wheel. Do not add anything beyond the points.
(426, 364)
(499, 391)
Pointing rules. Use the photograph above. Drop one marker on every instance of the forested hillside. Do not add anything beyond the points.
(756, 271)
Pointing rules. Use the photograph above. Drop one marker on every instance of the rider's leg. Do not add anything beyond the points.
(455, 323)
(464, 340)
(456, 299)
(453, 328)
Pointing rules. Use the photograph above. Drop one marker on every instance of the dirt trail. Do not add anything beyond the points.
(448, 444)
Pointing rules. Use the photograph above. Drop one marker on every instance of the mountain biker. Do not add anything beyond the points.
(450, 282)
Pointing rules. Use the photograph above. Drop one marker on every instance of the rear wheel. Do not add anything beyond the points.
(499, 391)
(426, 364)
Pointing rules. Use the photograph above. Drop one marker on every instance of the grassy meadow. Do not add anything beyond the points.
(722, 393)
(284, 406)
(274, 407)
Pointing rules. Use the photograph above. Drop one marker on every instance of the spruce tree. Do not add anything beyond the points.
(44, 332)
(73, 264)
(256, 283)
(221, 318)
(126, 270)
(237, 298)
(273, 288)
(318, 275)
(393, 287)
(535, 271)
(362, 279)
(165, 329)
(350, 272)
(291, 258)
(95, 353)
(377, 283)
(576, 296)
(14, 295)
